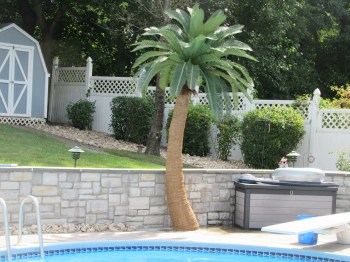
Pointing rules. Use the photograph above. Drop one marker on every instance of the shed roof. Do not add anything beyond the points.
(4, 27)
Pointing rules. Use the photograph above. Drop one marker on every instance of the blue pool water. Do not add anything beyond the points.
(151, 251)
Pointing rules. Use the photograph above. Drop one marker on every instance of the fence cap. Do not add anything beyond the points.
(317, 92)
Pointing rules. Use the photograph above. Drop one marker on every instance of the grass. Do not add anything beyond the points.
(25, 148)
(137, 156)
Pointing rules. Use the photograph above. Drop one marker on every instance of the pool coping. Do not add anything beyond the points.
(173, 246)
(326, 247)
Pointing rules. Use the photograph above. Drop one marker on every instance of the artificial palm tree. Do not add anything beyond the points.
(193, 53)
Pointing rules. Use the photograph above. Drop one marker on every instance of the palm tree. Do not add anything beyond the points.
(193, 53)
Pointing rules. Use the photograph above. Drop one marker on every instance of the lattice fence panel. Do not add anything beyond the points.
(151, 91)
(241, 103)
(23, 121)
(261, 105)
(105, 85)
(71, 75)
(303, 109)
(335, 120)
(203, 100)
(168, 100)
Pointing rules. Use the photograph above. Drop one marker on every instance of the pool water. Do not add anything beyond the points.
(150, 251)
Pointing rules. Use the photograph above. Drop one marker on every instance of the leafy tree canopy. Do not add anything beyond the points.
(300, 44)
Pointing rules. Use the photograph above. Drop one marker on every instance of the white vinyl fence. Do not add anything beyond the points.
(327, 131)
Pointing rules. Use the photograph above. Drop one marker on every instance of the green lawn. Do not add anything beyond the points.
(25, 148)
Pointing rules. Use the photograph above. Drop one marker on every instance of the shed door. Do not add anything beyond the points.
(16, 67)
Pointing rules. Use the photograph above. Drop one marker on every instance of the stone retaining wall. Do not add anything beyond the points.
(132, 197)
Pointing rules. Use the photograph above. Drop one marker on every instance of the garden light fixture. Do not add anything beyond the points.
(76, 154)
(292, 156)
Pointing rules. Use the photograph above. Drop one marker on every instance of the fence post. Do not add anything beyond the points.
(195, 98)
(54, 79)
(138, 92)
(314, 109)
(88, 75)
(247, 102)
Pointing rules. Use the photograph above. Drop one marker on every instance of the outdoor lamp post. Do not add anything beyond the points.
(293, 156)
(76, 154)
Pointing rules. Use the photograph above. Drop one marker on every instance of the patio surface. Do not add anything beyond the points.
(326, 243)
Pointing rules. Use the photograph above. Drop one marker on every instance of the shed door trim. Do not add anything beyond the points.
(17, 88)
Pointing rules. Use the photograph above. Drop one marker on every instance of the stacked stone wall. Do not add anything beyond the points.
(135, 198)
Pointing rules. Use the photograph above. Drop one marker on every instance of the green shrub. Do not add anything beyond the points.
(229, 133)
(196, 137)
(269, 134)
(131, 118)
(80, 114)
(343, 161)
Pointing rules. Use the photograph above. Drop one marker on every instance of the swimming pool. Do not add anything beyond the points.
(166, 251)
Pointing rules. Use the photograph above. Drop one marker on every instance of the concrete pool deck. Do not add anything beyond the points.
(326, 243)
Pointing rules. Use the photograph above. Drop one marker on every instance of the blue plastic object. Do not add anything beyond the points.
(307, 238)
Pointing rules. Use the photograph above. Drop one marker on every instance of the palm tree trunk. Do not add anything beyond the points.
(181, 213)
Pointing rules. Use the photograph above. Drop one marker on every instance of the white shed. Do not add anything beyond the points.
(23, 76)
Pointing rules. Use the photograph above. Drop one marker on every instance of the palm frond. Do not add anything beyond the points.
(228, 70)
(242, 89)
(205, 58)
(236, 86)
(226, 31)
(232, 43)
(224, 89)
(179, 79)
(193, 73)
(216, 19)
(196, 47)
(177, 30)
(196, 21)
(164, 76)
(225, 66)
(140, 78)
(175, 58)
(211, 88)
(144, 57)
(172, 40)
(151, 44)
(244, 72)
(168, 34)
(148, 71)
(240, 53)
(151, 31)
(181, 17)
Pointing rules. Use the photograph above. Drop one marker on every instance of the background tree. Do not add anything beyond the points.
(194, 52)
(42, 19)
(301, 44)
(327, 23)
(77, 29)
